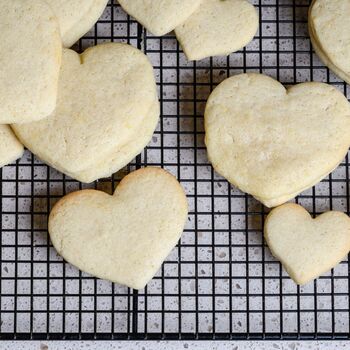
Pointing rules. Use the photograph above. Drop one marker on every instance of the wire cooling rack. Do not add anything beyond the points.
(220, 282)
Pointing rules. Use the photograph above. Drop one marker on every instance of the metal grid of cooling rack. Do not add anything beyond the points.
(220, 282)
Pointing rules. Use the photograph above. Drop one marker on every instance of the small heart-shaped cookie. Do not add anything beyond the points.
(30, 59)
(162, 16)
(123, 238)
(10, 148)
(107, 99)
(275, 143)
(76, 17)
(307, 247)
(329, 28)
(218, 27)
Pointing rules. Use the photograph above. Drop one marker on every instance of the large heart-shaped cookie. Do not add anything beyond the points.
(107, 99)
(274, 143)
(329, 28)
(76, 17)
(123, 238)
(10, 148)
(307, 247)
(162, 16)
(30, 59)
(218, 27)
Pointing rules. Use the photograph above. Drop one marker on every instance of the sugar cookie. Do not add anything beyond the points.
(274, 143)
(30, 56)
(307, 247)
(125, 237)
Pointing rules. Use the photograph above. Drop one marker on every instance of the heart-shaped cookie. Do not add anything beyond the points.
(10, 148)
(125, 153)
(107, 99)
(30, 59)
(274, 143)
(76, 17)
(162, 16)
(218, 27)
(307, 247)
(329, 24)
(123, 238)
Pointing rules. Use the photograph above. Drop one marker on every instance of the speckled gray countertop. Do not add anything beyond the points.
(161, 345)
(221, 278)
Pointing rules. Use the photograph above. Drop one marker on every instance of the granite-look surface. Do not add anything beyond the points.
(221, 277)
(200, 345)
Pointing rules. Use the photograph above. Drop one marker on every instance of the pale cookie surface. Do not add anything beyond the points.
(329, 26)
(107, 98)
(123, 238)
(76, 17)
(218, 28)
(161, 16)
(306, 247)
(10, 148)
(30, 59)
(274, 143)
(325, 59)
(121, 157)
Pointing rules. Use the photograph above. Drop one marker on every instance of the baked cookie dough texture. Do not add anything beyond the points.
(123, 238)
(10, 148)
(204, 28)
(306, 247)
(329, 29)
(30, 52)
(162, 16)
(274, 142)
(107, 110)
(76, 17)
(217, 28)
